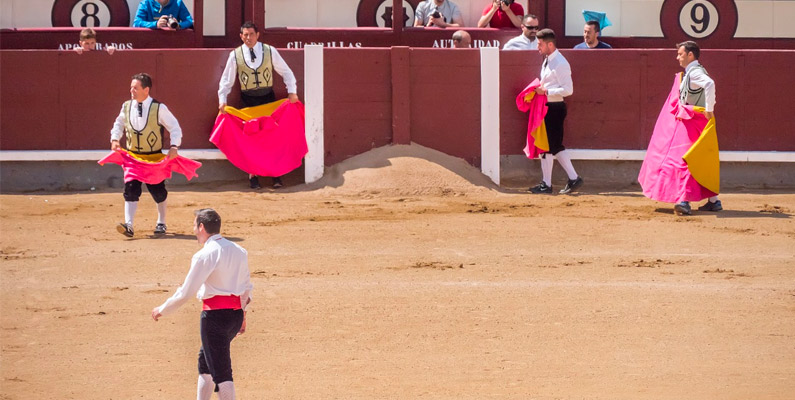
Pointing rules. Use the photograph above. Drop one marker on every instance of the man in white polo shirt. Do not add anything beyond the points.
(220, 277)
(527, 40)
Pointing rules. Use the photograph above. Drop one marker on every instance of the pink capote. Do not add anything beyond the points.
(664, 175)
(266, 146)
(538, 110)
(151, 172)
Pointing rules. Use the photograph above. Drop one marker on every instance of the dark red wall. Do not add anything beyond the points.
(56, 100)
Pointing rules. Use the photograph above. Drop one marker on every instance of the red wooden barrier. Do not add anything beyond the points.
(58, 100)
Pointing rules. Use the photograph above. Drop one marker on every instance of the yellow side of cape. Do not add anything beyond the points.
(703, 158)
(255, 112)
(150, 158)
(539, 134)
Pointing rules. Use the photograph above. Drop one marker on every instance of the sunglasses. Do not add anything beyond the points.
(534, 27)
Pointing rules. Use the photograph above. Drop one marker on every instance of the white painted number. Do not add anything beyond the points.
(90, 14)
(699, 18)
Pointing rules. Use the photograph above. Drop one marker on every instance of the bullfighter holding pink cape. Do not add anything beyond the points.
(682, 162)
(260, 140)
(143, 120)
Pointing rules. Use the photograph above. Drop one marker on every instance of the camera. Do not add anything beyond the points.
(436, 14)
(172, 22)
(507, 2)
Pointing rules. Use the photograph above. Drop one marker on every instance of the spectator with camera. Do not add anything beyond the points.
(163, 14)
(591, 33)
(527, 40)
(502, 14)
(439, 13)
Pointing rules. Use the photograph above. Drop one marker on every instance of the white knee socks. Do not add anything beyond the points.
(565, 162)
(546, 168)
(129, 211)
(161, 212)
(713, 199)
(204, 389)
(226, 390)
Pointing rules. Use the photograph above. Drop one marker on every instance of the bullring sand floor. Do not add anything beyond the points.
(405, 274)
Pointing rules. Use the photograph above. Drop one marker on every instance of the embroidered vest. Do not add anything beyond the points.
(693, 97)
(148, 140)
(255, 81)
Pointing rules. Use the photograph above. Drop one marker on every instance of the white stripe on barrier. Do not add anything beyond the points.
(314, 162)
(215, 154)
(490, 112)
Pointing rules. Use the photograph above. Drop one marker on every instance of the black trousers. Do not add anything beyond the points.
(253, 101)
(132, 191)
(217, 329)
(556, 114)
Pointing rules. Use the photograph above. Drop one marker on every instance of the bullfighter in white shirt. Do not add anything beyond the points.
(253, 64)
(556, 84)
(220, 277)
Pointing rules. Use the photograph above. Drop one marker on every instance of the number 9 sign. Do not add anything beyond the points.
(698, 19)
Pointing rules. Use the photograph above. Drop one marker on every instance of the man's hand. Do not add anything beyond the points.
(110, 49)
(156, 314)
(504, 7)
(162, 22)
(114, 145)
(221, 108)
(292, 97)
(540, 90)
(79, 50)
(709, 115)
(242, 327)
(439, 22)
(495, 5)
(172, 153)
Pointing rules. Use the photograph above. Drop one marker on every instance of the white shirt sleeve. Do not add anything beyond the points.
(167, 119)
(200, 269)
(118, 126)
(284, 70)
(227, 78)
(700, 79)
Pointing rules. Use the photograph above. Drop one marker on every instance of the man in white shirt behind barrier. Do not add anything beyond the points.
(220, 277)
(527, 40)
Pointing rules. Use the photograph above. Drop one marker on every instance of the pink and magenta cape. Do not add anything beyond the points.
(665, 175)
(270, 145)
(528, 100)
(151, 172)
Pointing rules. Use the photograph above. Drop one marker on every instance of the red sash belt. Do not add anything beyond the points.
(221, 303)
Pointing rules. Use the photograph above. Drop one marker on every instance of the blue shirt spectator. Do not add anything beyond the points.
(151, 12)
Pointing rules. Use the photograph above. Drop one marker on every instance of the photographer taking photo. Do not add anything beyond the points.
(439, 13)
(163, 14)
(502, 14)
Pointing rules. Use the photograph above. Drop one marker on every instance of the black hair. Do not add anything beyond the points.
(210, 219)
(144, 78)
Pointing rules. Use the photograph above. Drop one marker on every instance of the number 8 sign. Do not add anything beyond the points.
(90, 13)
(698, 19)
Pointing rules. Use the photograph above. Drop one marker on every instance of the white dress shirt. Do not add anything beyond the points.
(220, 268)
(229, 76)
(556, 77)
(521, 42)
(164, 117)
(701, 80)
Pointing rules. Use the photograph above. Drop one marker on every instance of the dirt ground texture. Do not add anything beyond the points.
(404, 274)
